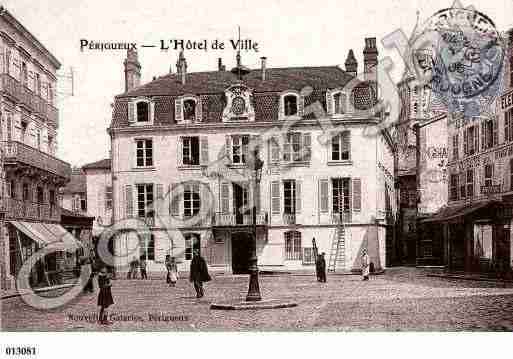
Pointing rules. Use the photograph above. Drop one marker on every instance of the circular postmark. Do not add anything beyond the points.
(462, 59)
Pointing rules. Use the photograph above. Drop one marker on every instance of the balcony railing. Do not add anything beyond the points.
(19, 152)
(337, 217)
(19, 209)
(25, 96)
(289, 218)
(231, 219)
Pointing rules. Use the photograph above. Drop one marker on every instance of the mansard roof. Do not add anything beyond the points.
(276, 80)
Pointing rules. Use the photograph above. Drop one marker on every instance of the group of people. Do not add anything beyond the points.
(320, 266)
(136, 265)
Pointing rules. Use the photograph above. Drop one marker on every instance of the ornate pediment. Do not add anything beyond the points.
(239, 104)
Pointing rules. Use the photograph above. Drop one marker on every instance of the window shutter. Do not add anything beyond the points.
(282, 107)
(179, 152)
(357, 194)
(178, 110)
(298, 196)
(225, 197)
(100, 202)
(275, 197)
(152, 111)
(483, 134)
(131, 112)
(204, 150)
(476, 138)
(199, 110)
(129, 201)
(307, 147)
(329, 102)
(495, 131)
(300, 105)
(175, 197)
(274, 150)
(346, 142)
(343, 102)
(228, 148)
(324, 195)
(160, 199)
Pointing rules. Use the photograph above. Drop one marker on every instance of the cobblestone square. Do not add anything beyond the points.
(400, 300)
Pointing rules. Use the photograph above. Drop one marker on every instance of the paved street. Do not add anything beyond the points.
(401, 299)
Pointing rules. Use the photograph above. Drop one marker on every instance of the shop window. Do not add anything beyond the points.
(483, 241)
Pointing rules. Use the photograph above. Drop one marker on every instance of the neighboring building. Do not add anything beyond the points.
(99, 194)
(74, 194)
(28, 134)
(167, 134)
(476, 224)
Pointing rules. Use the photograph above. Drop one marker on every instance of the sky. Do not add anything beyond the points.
(288, 33)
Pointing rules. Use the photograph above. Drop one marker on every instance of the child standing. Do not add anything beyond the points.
(105, 295)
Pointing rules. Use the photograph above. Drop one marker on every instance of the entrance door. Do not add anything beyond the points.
(241, 252)
(503, 248)
(240, 202)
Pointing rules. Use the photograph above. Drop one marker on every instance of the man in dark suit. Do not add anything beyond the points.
(322, 268)
(199, 273)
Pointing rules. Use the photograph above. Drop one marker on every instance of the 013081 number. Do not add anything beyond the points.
(16, 351)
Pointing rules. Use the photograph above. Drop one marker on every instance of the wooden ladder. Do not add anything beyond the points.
(338, 249)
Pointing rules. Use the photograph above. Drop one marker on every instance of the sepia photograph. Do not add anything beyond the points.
(271, 166)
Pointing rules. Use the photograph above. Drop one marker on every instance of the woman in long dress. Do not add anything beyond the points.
(105, 295)
(365, 265)
(172, 271)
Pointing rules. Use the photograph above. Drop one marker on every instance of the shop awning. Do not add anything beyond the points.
(449, 213)
(47, 233)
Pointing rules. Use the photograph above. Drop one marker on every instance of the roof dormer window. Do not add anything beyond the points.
(290, 104)
(141, 112)
(336, 102)
(187, 109)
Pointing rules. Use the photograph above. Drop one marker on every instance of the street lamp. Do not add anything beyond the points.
(254, 287)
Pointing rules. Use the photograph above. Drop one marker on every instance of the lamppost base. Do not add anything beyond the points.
(254, 288)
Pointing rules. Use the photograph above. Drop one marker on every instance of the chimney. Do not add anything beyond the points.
(370, 59)
(220, 65)
(264, 60)
(351, 64)
(181, 67)
(132, 70)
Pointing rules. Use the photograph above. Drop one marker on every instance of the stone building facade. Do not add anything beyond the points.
(28, 134)
(182, 148)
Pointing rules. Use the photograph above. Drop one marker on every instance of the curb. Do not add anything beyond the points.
(477, 279)
(268, 304)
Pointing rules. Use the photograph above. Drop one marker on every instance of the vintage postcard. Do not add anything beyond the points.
(256, 166)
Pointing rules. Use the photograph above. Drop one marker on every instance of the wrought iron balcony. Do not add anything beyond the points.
(233, 219)
(25, 96)
(17, 152)
(289, 218)
(19, 209)
(344, 217)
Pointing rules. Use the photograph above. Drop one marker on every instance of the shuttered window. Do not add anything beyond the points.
(129, 202)
(289, 197)
(204, 150)
(297, 147)
(175, 198)
(274, 150)
(144, 153)
(225, 197)
(341, 146)
(275, 197)
(293, 245)
(324, 195)
(145, 198)
(357, 194)
(191, 151)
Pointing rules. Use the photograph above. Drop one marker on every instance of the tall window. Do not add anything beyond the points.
(297, 147)
(147, 247)
(24, 126)
(339, 103)
(483, 241)
(38, 84)
(293, 245)
(192, 243)
(191, 199)
(463, 185)
(144, 153)
(26, 192)
(145, 200)
(239, 148)
(108, 197)
(453, 194)
(470, 183)
(471, 140)
(488, 128)
(8, 61)
(24, 73)
(508, 125)
(290, 105)
(38, 139)
(488, 175)
(190, 151)
(143, 111)
(341, 195)
(189, 110)
(289, 193)
(455, 146)
(83, 202)
(341, 146)
(511, 174)
(52, 198)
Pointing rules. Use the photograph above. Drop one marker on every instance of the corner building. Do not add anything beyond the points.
(172, 130)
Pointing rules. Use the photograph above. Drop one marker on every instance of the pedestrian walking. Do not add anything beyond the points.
(105, 295)
(88, 267)
(318, 267)
(199, 273)
(172, 271)
(322, 268)
(365, 265)
(142, 266)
